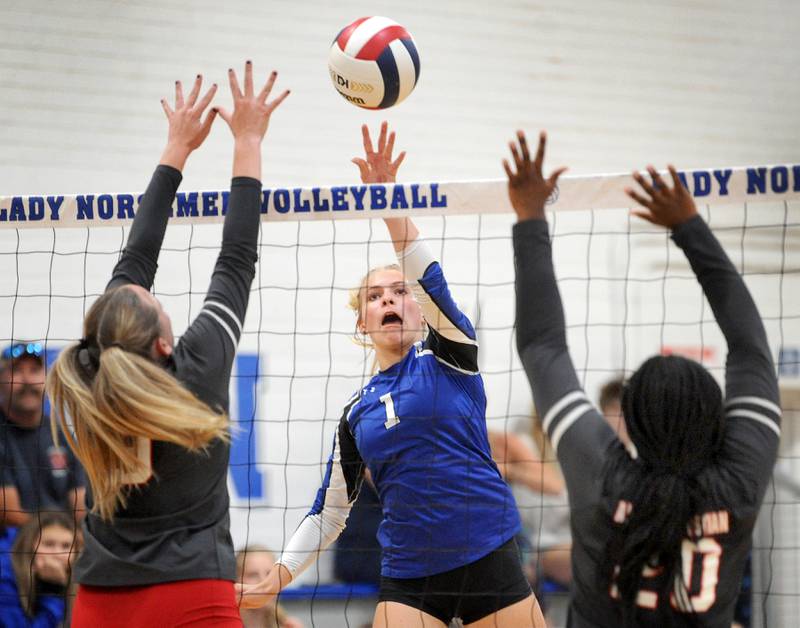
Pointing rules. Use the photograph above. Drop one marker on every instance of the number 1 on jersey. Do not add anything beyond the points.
(391, 418)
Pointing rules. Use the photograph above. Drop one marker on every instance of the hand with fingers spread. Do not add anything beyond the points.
(528, 190)
(251, 111)
(187, 127)
(378, 166)
(667, 207)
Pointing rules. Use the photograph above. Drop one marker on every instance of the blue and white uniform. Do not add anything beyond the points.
(420, 428)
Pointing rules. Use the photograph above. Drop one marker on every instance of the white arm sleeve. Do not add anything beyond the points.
(323, 525)
(414, 260)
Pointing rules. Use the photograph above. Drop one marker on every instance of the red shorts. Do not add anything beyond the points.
(184, 603)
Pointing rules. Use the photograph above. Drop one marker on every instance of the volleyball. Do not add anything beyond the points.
(373, 63)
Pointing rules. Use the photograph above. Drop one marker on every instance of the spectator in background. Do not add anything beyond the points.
(36, 474)
(35, 577)
(253, 563)
(520, 464)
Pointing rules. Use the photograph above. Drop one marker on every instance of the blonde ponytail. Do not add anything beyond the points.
(116, 395)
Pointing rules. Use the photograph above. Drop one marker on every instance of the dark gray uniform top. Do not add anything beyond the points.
(44, 474)
(175, 525)
(584, 441)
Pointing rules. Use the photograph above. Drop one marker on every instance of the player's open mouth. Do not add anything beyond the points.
(390, 318)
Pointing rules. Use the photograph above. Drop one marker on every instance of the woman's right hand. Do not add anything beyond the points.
(187, 127)
(663, 206)
(249, 120)
(251, 112)
(378, 166)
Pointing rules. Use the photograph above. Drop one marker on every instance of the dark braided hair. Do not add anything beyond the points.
(673, 410)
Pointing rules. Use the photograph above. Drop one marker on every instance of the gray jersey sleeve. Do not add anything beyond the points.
(752, 428)
(208, 346)
(579, 434)
(139, 260)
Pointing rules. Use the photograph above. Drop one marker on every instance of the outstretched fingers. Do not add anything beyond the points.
(396, 163)
(167, 109)
(265, 91)
(642, 200)
(659, 184)
(275, 103)
(523, 145)
(538, 161)
(207, 98)
(389, 147)
(676, 180)
(382, 136)
(363, 166)
(645, 184)
(515, 154)
(198, 81)
(234, 83)
(178, 95)
(367, 140)
(553, 178)
(209, 120)
(248, 79)
(509, 173)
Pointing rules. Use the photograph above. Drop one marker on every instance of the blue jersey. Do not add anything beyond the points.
(420, 428)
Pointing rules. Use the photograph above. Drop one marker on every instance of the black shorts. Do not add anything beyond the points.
(470, 592)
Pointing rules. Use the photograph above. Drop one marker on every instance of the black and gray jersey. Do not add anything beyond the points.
(718, 538)
(175, 524)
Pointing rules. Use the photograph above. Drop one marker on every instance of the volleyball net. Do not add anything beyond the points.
(628, 293)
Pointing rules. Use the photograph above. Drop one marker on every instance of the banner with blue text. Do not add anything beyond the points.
(712, 186)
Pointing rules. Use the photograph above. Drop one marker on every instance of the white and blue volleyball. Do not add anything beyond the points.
(374, 63)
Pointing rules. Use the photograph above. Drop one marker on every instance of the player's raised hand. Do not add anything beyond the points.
(187, 126)
(528, 190)
(664, 206)
(378, 166)
(251, 112)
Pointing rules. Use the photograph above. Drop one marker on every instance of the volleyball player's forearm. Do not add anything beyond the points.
(139, 260)
(235, 267)
(403, 232)
(736, 313)
(431, 292)
(541, 329)
(314, 534)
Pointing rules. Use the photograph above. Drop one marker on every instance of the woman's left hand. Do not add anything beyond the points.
(378, 166)
(188, 129)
